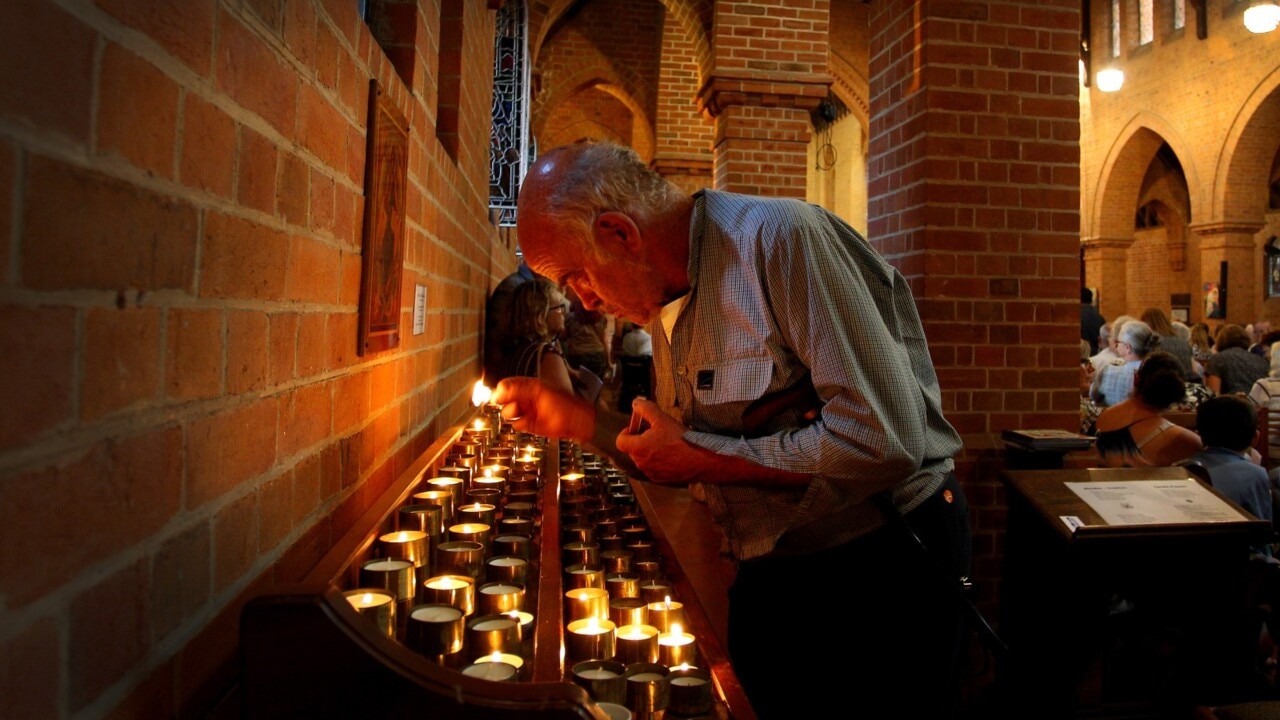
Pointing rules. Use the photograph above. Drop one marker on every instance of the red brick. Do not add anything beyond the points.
(235, 541)
(321, 128)
(322, 203)
(275, 513)
(37, 359)
(256, 183)
(284, 344)
(206, 666)
(242, 259)
(313, 271)
(300, 30)
(137, 112)
(229, 448)
(305, 495)
(312, 348)
(305, 417)
(293, 191)
(248, 358)
(123, 489)
(194, 367)
(249, 70)
(180, 579)
(108, 633)
(137, 239)
(122, 360)
(47, 89)
(182, 27)
(208, 135)
(30, 670)
(151, 698)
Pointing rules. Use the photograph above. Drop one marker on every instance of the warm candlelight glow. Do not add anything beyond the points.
(480, 394)
(479, 424)
(676, 629)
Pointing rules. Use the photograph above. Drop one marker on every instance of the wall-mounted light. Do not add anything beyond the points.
(1110, 80)
(1262, 16)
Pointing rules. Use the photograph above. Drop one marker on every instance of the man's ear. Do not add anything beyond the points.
(617, 228)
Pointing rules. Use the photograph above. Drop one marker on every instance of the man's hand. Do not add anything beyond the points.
(531, 406)
(656, 445)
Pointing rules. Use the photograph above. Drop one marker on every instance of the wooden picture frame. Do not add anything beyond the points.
(382, 255)
(1272, 281)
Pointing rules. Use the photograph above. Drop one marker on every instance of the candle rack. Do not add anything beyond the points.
(307, 651)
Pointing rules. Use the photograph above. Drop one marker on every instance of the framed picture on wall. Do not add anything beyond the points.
(386, 178)
(1272, 256)
(1180, 314)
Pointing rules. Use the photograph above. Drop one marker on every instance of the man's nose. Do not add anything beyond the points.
(589, 299)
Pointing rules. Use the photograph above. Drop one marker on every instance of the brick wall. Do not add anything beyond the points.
(187, 422)
(974, 194)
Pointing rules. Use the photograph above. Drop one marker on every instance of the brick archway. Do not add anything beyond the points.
(1239, 193)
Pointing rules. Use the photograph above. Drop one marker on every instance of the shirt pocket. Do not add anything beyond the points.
(732, 382)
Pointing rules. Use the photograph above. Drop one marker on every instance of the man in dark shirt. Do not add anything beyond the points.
(1091, 321)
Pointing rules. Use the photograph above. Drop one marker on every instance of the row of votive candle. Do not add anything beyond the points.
(646, 688)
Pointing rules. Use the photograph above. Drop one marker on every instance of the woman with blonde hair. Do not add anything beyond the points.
(538, 311)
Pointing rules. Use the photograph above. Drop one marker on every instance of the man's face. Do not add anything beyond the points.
(608, 282)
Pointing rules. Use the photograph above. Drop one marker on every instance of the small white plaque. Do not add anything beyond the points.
(419, 309)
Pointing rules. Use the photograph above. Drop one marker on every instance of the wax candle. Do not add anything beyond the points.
(506, 568)
(499, 597)
(622, 585)
(637, 643)
(580, 553)
(410, 545)
(586, 602)
(690, 691)
(676, 647)
(376, 605)
(435, 629)
(442, 498)
(394, 575)
(511, 659)
(487, 634)
(584, 576)
(655, 590)
(424, 517)
(475, 532)
(455, 590)
(590, 639)
(495, 671)
(628, 611)
(647, 688)
(603, 679)
(475, 512)
(514, 545)
(460, 557)
(663, 615)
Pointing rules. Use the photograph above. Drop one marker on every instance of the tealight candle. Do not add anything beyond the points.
(412, 545)
(516, 525)
(676, 647)
(622, 585)
(513, 545)
(637, 643)
(394, 575)
(525, 619)
(628, 611)
(602, 679)
(495, 671)
(583, 576)
(590, 639)
(655, 590)
(455, 590)
(460, 557)
(580, 553)
(377, 605)
(648, 569)
(441, 498)
(499, 597)
(511, 659)
(435, 629)
(647, 688)
(456, 487)
(690, 691)
(487, 634)
(586, 602)
(642, 550)
(475, 512)
(475, 532)
(616, 561)
(519, 509)
(663, 615)
(423, 517)
(506, 568)
(455, 470)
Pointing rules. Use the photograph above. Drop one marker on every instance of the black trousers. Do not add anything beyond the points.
(872, 628)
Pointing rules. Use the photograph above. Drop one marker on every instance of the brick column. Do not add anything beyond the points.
(1104, 261)
(1234, 244)
(769, 71)
(974, 193)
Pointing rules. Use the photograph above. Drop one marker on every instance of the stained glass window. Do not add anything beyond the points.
(509, 146)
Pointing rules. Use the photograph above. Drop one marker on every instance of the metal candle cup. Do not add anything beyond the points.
(460, 472)
(488, 670)
(455, 486)
(577, 533)
(377, 605)
(506, 568)
(435, 629)
(516, 526)
(647, 569)
(622, 585)
(581, 603)
(647, 688)
(580, 553)
(424, 517)
(481, 533)
(602, 679)
(487, 634)
(511, 659)
(412, 545)
(519, 509)
(655, 591)
(677, 647)
(455, 590)
(642, 550)
(628, 611)
(663, 615)
(485, 496)
(442, 498)
(590, 639)
(499, 597)
(395, 575)
(461, 557)
(616, 561)
(514, 545)
(637, 643)
(580, 576)
(474, 512)
(690, 691)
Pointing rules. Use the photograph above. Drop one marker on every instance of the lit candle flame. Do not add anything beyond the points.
(676, 629)
(367, 600)
(682, 666)
(496, 656)
(480, 394)
(479, 424)
(593, 625)
(488, 472)
(668, 602)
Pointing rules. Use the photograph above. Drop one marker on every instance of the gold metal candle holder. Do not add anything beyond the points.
(511, 659)
(412, 545)
(583, 603)
(395, 575)
(455, 486)
(577, 533)
(628, 611)
(581, 576)
(487, 634)
(458, 471)
(655, 590)
(616, 561)
(580, 553)
(456, 590)
(435, 629)
(442, 498)
(460, 557)
(647, 688)
(648, 569)
(602, 679)
(514, 545)
(590, 639)
(499, 597)
(641, 550)
(663, 615)
(424, 517)
(676, 647)
(637, 643)
(690, 691)
(475, 532)
(376, 605)
(519, 509)
(622, 585)
(474, 512)
(488, 670)
(516, 526)
(506, 568)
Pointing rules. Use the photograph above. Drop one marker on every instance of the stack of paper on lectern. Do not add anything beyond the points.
(1047, 439)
